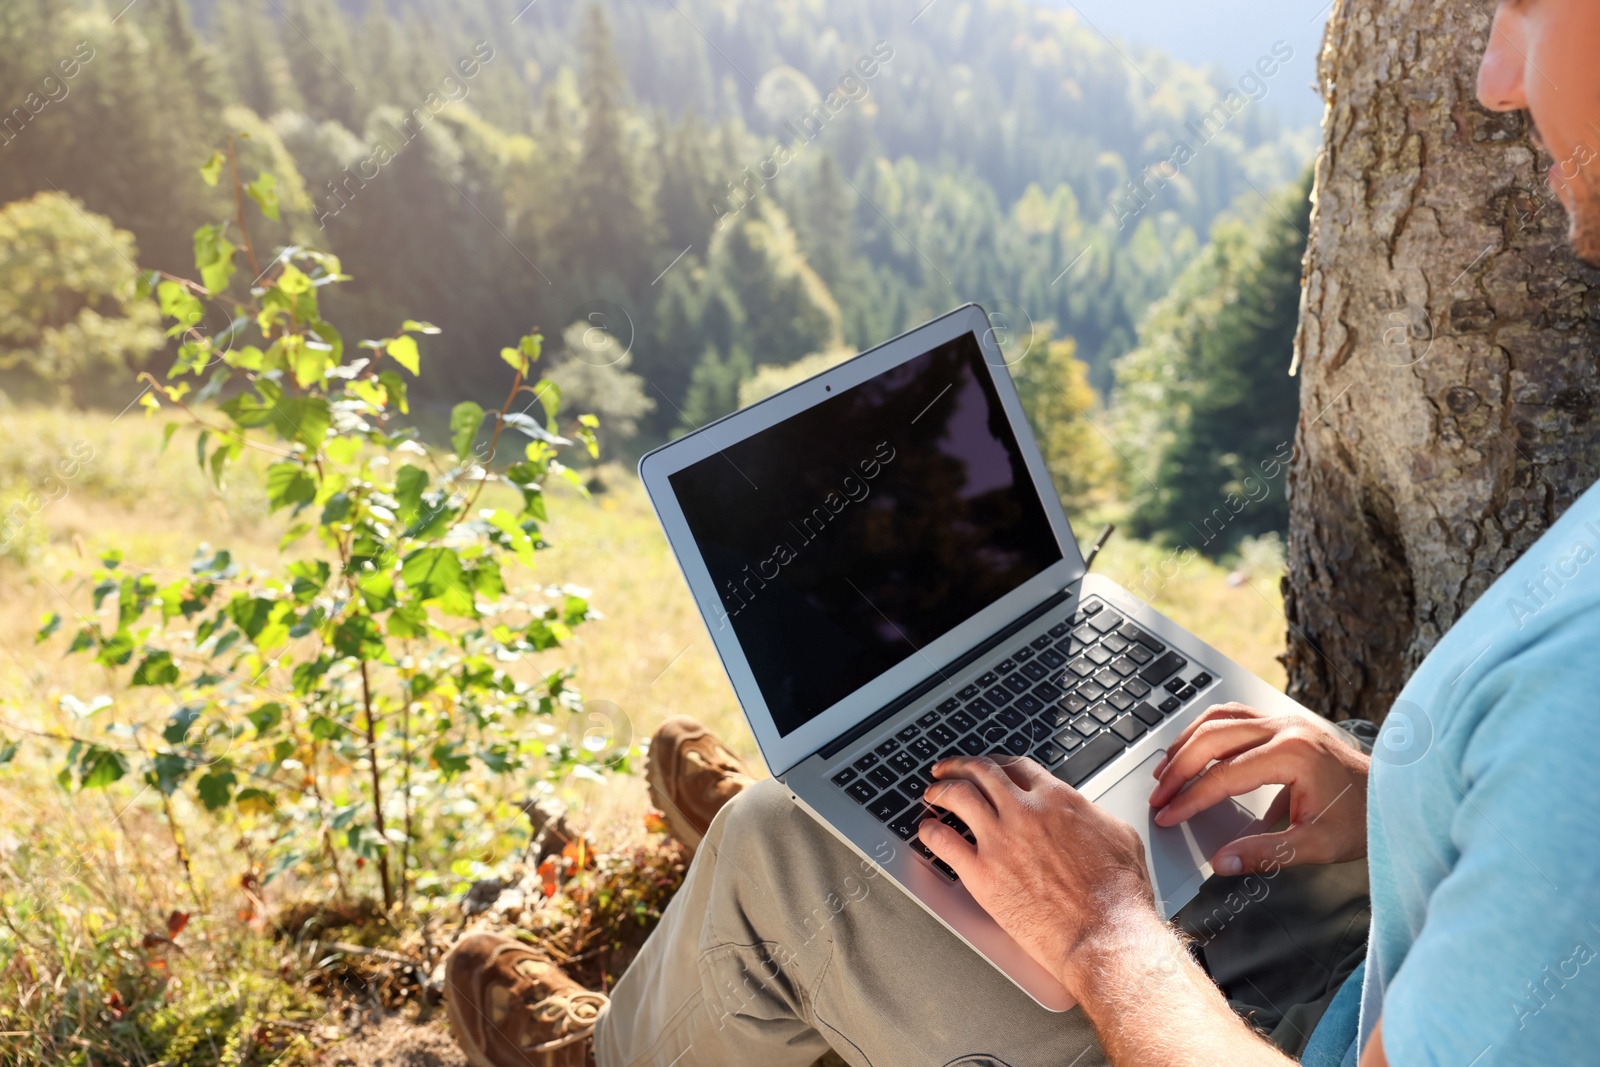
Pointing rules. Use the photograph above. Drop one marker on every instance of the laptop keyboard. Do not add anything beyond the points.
(1072, 698)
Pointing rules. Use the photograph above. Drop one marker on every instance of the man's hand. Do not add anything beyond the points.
(1326, 777)
(1063, 877)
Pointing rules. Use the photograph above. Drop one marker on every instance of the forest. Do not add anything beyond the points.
(684, 194)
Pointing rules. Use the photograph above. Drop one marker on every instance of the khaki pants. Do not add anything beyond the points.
(783, 943)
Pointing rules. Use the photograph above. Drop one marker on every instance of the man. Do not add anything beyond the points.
(1483, 855)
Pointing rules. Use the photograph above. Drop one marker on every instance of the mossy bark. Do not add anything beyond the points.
(1448, 349)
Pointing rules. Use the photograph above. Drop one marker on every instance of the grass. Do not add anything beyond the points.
(89, 887)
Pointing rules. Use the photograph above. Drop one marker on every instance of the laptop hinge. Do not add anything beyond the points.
(927, 685)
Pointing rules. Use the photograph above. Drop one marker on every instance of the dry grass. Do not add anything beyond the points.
(83, 877)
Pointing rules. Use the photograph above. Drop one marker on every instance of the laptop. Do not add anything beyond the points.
(889, 579)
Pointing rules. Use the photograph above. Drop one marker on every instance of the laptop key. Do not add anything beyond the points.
(919, 848)
(914, 785)
(1187, 693)
(1039, 730)
(1104, 712)
(1133, 633)
(903, 762)
(1006, 666)
(887, 747)
(967, 692)
(1059, 629)
(1128, 728)
(999, 695)
(949, 753)
(1049, 753)
(1069, 739)
(1119, 700)
(882, 777)
(1035, 671)
(992, 733)
(1017, 744)
(1092, 691)
(1124, 666)
(886, 806)
(1106, 621)
(1175, 684)
(1091, 606)
(1017, 683)
(1087, 634)
(861, 791)
(1053, 716)
(1047, 692)
(844, 777)
(966, 719)
(1145, 713)
(1085, 726)
(1052, 659)
(1073, 703)
(1107, 678)
(1042, 642)
(952, 820)
(904, 826)
(943, 735)
(1201, 680)
(908, 733)
(972, 744)
(1139, 654)
(932, 717)
(924, 748)
(1098, 656)
(945, 869)
(1023, 654)
(1012, 717)
(1170, 705)
(1115, 642)
(1136, 688)
(1163, 668)
(1082, 764)
(866, 762)
(1029, 704)
(1083, 667)
(987, 678)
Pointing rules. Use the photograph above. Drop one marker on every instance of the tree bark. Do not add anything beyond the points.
(1448, 349)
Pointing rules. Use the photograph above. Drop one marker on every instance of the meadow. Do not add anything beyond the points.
(90, 890)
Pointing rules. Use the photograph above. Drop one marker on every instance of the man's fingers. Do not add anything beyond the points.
(1230, 777)
(1219, 739)
(1024, 772)
(1256, 854)
(962, 796)
(1216, 712)
(949, 846)
(984, 773)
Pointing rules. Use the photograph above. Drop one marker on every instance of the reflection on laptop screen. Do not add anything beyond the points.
(848, 537)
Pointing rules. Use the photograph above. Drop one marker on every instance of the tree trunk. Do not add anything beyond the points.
(1448, 350)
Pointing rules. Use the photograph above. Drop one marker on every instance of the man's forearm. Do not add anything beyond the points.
(1151, 1004)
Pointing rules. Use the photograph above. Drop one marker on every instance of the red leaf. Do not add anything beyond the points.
(176, 922)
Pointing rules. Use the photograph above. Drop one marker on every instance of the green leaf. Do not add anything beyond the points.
(253, 801)
(408, 620)
(178, 726)
(338, 509)
(395, 386)
(179, 304)
(211, 169)
(409, 484)
(449, 764)
(359, 637)
(413, 326)
(251, 614)
(289, 483)
(168, 770)
(213, 258)
(403, 350)
(436, 574)
(266, 717)
(516, 536)
(99, 767)
(8, 752)
(465, 419)
(157, 668)
(264, 192)
(115, 650)
(216, 788)
(515, 360)
(48, 626)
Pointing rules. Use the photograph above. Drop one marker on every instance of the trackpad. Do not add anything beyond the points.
(1179, 856)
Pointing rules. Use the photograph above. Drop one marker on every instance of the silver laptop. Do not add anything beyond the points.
(889, 579)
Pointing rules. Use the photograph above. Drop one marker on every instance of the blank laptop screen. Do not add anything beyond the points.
(848, 537)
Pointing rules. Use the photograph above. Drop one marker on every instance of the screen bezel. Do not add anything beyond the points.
(657, 467)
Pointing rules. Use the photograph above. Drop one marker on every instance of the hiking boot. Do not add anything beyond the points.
(510, 1006)
(691, 775)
